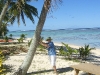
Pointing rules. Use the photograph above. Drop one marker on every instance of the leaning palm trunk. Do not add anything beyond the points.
(4, 12)
(31, 52)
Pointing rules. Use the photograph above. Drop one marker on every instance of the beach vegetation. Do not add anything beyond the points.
(15, 49)
(23, 36)
(2, 59)
(76, 60)
(6, 38)
(67, 51)
(85, 51)
(19, 40)
(73, 54)
(10, 36)
(41, 48)
(29, 42)
(62, 51)
(3, 30)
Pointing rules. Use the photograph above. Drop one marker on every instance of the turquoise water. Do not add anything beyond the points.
(80, 36)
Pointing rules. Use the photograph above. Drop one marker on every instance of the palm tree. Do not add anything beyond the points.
(22, 36)
(27, 61)
(17, 9)
(3, 25)
(85, 51)
(10, 36)
(3, 30)
(4, 10)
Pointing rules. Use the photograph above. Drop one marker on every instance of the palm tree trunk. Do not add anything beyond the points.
(4, 12)
(31, 52)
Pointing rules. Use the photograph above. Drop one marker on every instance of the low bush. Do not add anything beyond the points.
(2, 59)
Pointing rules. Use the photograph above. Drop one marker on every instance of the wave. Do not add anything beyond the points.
(59, 29)
(83, 28)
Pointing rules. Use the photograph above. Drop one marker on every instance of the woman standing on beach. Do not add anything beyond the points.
(51, 52)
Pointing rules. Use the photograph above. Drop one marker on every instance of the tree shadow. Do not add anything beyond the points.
(60, 70)
(66, 69)
(94, 59)
(94, 56)
(7, 68)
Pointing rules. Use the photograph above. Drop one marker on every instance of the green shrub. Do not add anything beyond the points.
(20, 40)
(29, 42)
(1, 63)
(6, 38)
(62, 51)
(67, 51)
(23, 36)
(10, 36)
(85, 51)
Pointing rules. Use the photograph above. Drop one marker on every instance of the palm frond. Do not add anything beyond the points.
(19, 10)
(24, 1)
(22, 16)
(32, 9)
(12, 19)
(29, 15)
(18, 18)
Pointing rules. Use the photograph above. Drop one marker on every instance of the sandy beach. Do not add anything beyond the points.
(41, 65)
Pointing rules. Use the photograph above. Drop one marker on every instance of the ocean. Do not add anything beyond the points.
(78, 36)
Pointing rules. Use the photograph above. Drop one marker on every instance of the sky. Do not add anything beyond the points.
(69, 14)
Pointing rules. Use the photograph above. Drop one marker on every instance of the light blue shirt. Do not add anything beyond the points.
(51, 49)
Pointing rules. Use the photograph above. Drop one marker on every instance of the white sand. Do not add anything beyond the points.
(41, 65)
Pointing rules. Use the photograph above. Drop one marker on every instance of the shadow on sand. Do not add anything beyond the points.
(94, 59)
(60, 70)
